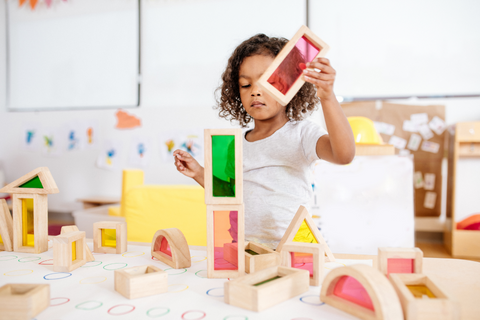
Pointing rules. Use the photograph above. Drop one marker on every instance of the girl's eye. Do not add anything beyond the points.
(245, 86)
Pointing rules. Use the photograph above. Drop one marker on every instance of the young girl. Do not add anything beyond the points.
(281, 148)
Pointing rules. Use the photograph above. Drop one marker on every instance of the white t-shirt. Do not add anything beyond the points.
(277, 179)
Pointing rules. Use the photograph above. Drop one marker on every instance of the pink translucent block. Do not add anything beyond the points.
(348, 288)
(292, 66)
(400, 266)
(302, 261)
(161, 244)
(225, 231)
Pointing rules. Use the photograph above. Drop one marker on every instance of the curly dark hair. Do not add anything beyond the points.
(228, 101)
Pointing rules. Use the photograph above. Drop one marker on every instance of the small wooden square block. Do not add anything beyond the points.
(63, 251)
(318, 252)
(23, 301)
(141, 281)
(266, 257)
(442, 307)
(121, 236)
(400, 254)
(247, 292)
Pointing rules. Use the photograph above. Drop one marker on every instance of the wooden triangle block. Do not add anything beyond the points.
(88, 253)
(43, 173)
(301, 216)
(6, 227)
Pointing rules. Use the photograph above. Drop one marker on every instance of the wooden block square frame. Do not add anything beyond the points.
(281, 98)
(40, 223)
(240, 261)
(88, 252)
(318, 252)
(179, 255)
(23, 300)
(63, 251)
(6, 227)
(384, 254)
(265, 258)
(121, 236)
(261, 290)
(141, 281)
(209, 198)
(442, 307)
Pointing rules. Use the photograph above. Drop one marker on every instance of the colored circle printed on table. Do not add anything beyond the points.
(203, 258)
(180, 271)
(123, 309)
(185, 287)
(193, 315)
(29, 259)
(59, 303)
(22, 272)
(10, 257)
(53, 276)
(197, 273)
(43, 263)
(93, 280)
(89, 305)
(122, 265)
(158, 312)
(215, 292)
(313, 300)
(132, 254)
(90, 264)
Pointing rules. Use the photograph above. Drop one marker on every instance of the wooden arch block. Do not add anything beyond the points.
(301, 216)
(88, 252)
(38, 181)
(170, 247)
(400, 260)
(6, 227)
(362, 291)
(307, 256)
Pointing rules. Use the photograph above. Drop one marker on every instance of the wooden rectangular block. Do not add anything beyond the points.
(266, 288)
(141, 281)
(23, 301)
(400, 260)
(120, 228)
(69, 251)
(6, 227)
(423, 299)
(317, 251)
(40, 223)
(265, 257)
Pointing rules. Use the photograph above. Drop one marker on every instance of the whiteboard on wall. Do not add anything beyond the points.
(401, 48)
(74, 55)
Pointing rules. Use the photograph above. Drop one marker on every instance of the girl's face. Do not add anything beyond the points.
(258, 104)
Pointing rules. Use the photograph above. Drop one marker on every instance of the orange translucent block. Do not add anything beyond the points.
(348, 288)
(28, 238)
(74, 250)
(225, 236)
(302, 261)
(304, 234)
(421, 292)
(109, 238)
(400, 266)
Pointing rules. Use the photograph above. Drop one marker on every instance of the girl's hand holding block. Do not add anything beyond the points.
(187, 165)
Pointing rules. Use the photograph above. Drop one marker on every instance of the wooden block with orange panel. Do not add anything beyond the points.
(110, 237)
(30, 210)
(400, 260)
(170, 247)
(69, 251)
(141, 281)
(23, 301)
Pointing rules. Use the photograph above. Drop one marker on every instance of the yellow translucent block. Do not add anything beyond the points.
(1, 241)
(27, 223)
(304, 234)
(420, 291)
(74, 250)
(109, 238)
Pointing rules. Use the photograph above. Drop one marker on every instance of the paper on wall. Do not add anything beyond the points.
(190, 141)
(425, 131)
(30, 139)
(385, 128)
(437, 125)
(397, 142)
(429, 181)
(89, 134)
(109, 157)
(418, 180)
(409, 126)
(429, 146)
(414, 142)
(139, 152)
(430, 199)
(419, 118)
(74, 136)
(52, 141)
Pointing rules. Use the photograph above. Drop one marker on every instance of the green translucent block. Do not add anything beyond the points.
(33, 183)
(253, 253)
(265, 281)
(109, 238)
(223, 166)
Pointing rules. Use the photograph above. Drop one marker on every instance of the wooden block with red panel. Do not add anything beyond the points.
(400, 260)
(306, 256)
(170, 247)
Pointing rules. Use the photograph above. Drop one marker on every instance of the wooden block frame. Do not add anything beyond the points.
(88, 252)
(121, 236)
(209, 198)
(384, 298)
(263, 81)
(318, 252)
(23, 300)
(178, 245)
(400, 253)
(141, 281)
(211, 272)
(440, 308)
(6, 227)
(243, 293)
(62, 251)
(40, 223)
(303, 215)
(45, 176)
(266, 257)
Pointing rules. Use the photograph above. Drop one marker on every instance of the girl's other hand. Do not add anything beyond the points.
(322, 79)
(187, 165)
